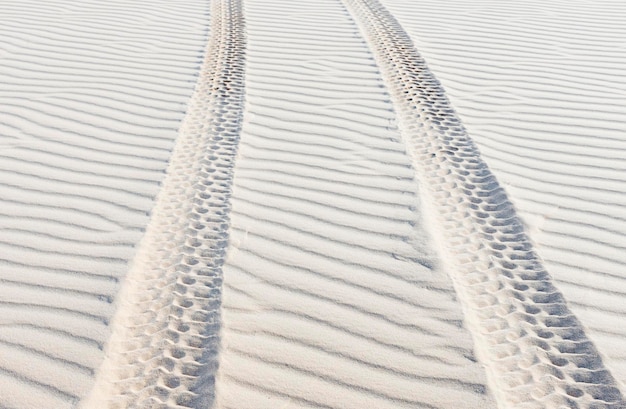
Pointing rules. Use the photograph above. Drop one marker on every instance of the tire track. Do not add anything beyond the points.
(535, 349)
(162, 353)
(332, 296)
(544, 96)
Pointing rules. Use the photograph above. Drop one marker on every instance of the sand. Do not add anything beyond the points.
(91, 99)
(273, 204)
(540, 89)
(330, 283)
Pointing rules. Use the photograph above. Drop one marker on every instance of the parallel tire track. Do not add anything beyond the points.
(162, 353)
(332, 296)
(535, 349)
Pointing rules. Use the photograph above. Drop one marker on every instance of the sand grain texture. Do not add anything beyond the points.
(535, 351)
(163, 350)
(327, 234)
(541, 89)
(332, 295)
(91, 97)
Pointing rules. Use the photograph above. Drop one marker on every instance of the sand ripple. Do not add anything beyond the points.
(85, 137)
(541, 89)
(162, 353)
(332, 297)
(309, 248)
(535, 350)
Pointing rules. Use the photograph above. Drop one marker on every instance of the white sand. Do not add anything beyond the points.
(357, 254)
(91, 96)
(332, 296)
(541, 88)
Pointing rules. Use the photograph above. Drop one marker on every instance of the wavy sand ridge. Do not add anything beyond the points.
(91, 97)
(535, 350)
(330, 297)
(541, 88)
(162, 353)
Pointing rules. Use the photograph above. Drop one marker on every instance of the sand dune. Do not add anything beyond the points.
(541, 89)
(328, 233)
(85, 139)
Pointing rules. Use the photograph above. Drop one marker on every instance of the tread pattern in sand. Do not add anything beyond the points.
(91, 97)
(540, 87)
(331, 296)
(535, 350)
(162, 353)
